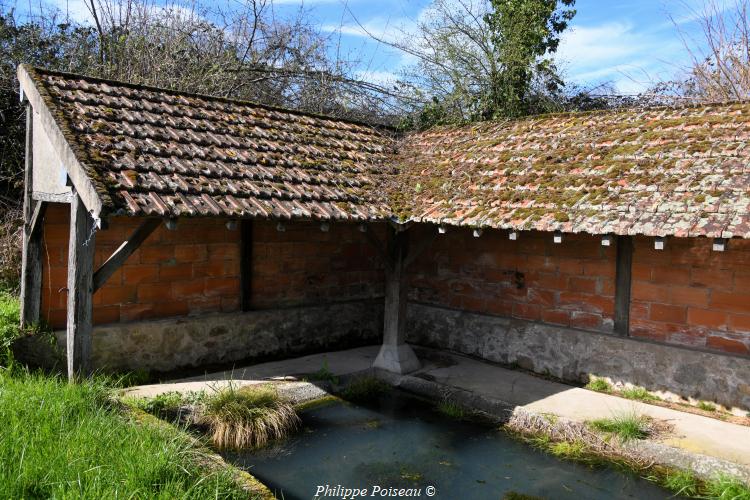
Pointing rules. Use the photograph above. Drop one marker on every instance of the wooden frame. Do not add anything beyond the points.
(80, 289)
(246, 264)
(33, 215)
(118, 258)
(623, 278)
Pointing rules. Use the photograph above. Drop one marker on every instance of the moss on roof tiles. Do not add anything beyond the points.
(601, 167)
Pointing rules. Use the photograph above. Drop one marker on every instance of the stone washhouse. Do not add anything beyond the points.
(167, 230)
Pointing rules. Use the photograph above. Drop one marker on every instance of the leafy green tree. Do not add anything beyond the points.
(525, 33)
(484, 59)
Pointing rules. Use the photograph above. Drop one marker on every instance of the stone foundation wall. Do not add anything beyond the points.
(573, 355)
(169, 344)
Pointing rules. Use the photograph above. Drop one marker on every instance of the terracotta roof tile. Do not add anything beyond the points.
(658, 172)
(161, 153)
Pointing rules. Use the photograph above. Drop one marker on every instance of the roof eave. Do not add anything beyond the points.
(94, 197)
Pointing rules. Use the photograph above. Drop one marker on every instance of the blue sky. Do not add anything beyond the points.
(629, 43)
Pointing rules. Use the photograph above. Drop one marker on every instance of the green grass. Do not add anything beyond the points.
(599, 385)
(324, 374)
(451, 409)
(682, 483)
(10, 311)
(626, 426)
(726, 488)
(248, 417)
(364, 389)
(639, 394)
(706, 406)
(63, 440)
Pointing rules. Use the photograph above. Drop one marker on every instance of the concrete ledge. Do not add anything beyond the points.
(174, 343)
(573, 355)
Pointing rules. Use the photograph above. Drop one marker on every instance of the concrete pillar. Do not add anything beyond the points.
(395, 355)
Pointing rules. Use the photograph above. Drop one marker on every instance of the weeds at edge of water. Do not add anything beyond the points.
(451, 409)
(574, 441)
(364, 389)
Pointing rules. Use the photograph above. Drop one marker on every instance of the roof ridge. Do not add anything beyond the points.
(229, 100)
(579, 113)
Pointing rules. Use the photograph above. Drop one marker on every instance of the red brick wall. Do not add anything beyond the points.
(568, 284)
(190, 270)
(195, 269)
(690, 295)
(304, 265)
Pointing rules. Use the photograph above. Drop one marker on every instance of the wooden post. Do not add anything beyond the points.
(622, 285)
(395, 355)
(246, 264)
(33, 216)
(80, 288)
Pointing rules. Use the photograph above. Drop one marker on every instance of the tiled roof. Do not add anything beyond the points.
(161, 153)
(657, 172)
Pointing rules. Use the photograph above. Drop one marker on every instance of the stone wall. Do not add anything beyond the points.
(211, 339)
(573, 354)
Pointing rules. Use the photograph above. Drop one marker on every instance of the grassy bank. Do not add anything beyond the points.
(69, 441)
(62, 440)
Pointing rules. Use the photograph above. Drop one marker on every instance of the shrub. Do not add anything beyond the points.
(626, 426)
(10, 249)
(248, 417)
(10, 329)
(364, 389)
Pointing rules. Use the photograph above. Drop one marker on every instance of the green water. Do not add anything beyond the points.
(402, 443)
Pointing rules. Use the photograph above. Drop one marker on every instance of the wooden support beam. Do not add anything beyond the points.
(246, 264)
(37, 217)
(118, 258)
(80, 289)
(622, 285)
(31, 253)
(395, 355)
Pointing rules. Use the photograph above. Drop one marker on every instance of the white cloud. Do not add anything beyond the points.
(617, 52)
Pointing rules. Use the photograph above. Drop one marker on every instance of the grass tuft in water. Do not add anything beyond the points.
(451, 409)
(365, 389)
(638, 394)
(626, 426)
(599, 385)
(726, 487)
(248, 417)
(681, 482)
